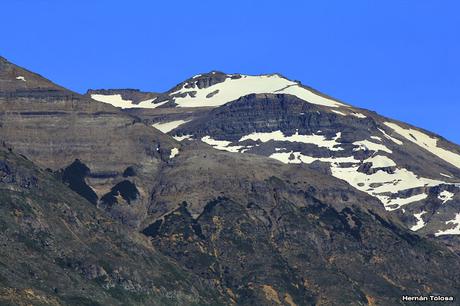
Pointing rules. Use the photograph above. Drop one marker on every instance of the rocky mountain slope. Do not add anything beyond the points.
(257, 186)
(54, 127)
(270, 233)
(415, 174)
(58, 249)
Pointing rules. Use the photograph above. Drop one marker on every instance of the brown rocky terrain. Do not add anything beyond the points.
(59, 249)
(54, 127)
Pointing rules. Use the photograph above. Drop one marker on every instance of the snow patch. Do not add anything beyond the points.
(222, 145)
(183, 137)
(118, 101)
(166, 127)
(21, 78)
(452, 231)
(174, 152)
(318, 140)
(383, 185)
(445, 175)
(420, 223)
(380, 184)
(426, 142)
(338, 112)
(446, 196)
(359, 115)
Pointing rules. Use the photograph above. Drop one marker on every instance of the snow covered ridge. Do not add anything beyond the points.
(118, 101)
(189, 95)
(426, 142)
(233, 87)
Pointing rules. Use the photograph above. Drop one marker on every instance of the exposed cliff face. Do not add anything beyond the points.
(54, 127)
(58, 249)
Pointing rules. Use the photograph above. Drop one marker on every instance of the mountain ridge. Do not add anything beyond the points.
(267, 198)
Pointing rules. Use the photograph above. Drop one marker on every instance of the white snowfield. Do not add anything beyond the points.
(420, 223)
(318, 140)
(451, 231)
(166, 127)
(426, 142)
(21, 78)
(118, 101)
(383, 185)
(233, 89)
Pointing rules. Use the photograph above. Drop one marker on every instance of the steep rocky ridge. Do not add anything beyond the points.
(54, 127)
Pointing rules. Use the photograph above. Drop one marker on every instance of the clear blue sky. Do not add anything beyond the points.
(400, 58)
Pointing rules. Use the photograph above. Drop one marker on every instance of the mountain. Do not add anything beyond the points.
(259, 190)
(414, 174)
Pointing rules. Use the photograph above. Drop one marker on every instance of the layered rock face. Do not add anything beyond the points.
(54, 127)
